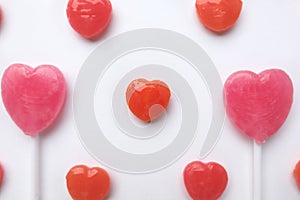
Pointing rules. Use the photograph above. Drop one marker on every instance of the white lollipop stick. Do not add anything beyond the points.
(36, 168)
(257, 159)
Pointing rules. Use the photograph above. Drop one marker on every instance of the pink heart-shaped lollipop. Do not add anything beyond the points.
(0, 16)
(258, 104)
(1, 175)
(33, 97)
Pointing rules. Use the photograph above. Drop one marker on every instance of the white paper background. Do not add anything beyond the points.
(266, 35)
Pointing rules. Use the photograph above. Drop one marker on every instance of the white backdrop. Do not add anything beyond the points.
(266, 35)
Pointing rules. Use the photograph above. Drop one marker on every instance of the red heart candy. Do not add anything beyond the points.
(33, 97)
(205, 181)
(85, 183)
(218, 15)
(147, 100)
(258, 104)
(89, 18)
(296, 174)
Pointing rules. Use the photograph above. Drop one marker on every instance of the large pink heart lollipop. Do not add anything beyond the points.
(0, 16)
(258, 104)
(33, 97)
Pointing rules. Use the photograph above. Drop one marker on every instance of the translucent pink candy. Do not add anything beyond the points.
(258, 104)
(0, 16)
(33, 97)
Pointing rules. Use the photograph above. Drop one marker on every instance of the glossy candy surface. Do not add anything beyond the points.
(86, 183)
(205, 181)
(89, 18)
(147, 100)
(218, 15)
(33, 97)
(258, 104)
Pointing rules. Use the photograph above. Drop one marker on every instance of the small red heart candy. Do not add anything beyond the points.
(86, 183)
(218, 15)
(33, 97)
(147, 100)
(205, 181)
(89, 18)
(258, 104)
(296, 174)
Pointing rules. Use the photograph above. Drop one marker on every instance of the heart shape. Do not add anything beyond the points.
(147, 100)
(33, 97)
(218, 15)
(205, 181)
(258, 104)
(89, 18)
(86, 183)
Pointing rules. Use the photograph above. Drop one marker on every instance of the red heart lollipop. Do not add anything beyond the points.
(85, 183)
(147, 100)
(33, 97)
(258, 104)
(218, 15)
(205, 181)
(89, 18)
